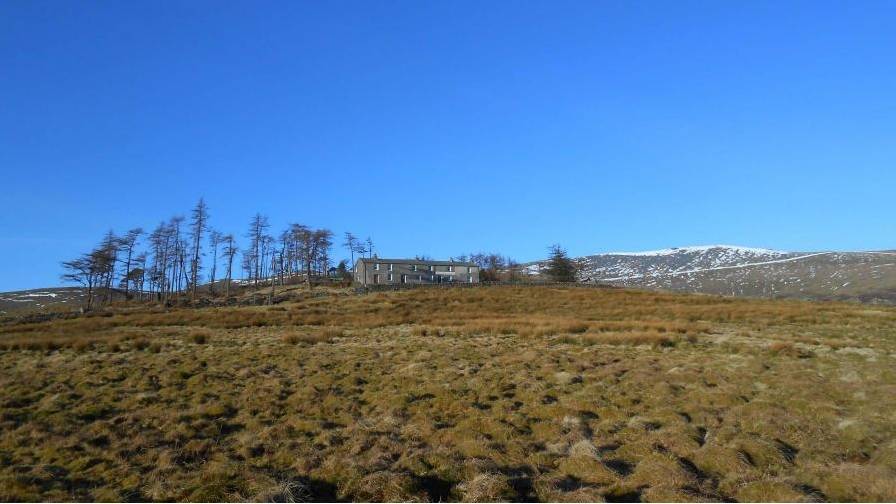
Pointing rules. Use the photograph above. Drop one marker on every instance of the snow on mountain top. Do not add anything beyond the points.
(701, 248)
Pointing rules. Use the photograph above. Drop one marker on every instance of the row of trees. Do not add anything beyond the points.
(170, 260)
(494, 267)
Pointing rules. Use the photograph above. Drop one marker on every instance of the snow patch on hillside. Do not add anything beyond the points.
(700, 248)
(716, 268)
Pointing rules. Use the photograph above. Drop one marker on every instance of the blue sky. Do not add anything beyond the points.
(441, 128)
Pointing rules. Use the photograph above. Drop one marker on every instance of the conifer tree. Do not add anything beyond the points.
(560, 267)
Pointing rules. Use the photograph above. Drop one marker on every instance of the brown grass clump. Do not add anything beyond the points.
(487, 487)
(292, 339)
(200, 336)
(325, 335)
(421, 331)
(577, 328)
(789, 349)
(653, 339)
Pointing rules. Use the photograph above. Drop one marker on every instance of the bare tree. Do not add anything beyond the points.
(157, 241)
(198, 225)
(321, 241)
(137, 274)
(95, 269)
(128, 244)
(162, 246)
(342, 271)
(267, 249)
(287, 255)
(492, 266)
(513, 269)
(214, 241)
(177, 268)
(83, 271)
(105, 258)
(352, 243)
(274, 272)
(167, 273)
(257, 229)
(230, 250)
(369, 247)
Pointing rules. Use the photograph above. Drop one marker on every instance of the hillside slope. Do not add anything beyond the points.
(743, 271)
(496, 394)
(50, 299)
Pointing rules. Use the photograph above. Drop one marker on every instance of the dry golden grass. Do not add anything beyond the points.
(500, 393)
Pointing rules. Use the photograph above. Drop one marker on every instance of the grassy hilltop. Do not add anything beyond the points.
(493, 393)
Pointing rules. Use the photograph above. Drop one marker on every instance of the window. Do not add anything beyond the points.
(376, 266)
(450, 268)
(470, 278)
(419, 278)
(414, 267)
(469, 269)
(430, 267)
(390, 275)
(390, 266)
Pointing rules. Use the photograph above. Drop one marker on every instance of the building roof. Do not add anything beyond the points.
(413, 261)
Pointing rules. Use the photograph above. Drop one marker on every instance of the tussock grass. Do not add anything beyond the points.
(651, 338)
(319, 336)
(199, 335)
(489, 394)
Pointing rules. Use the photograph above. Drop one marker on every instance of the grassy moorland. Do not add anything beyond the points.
(495, 393)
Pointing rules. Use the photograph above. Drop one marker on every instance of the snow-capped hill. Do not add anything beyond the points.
(39, 299)
(623, 265)
(746, 271)
(732, 249)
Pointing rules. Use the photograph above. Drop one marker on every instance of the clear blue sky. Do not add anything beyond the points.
(441, 128)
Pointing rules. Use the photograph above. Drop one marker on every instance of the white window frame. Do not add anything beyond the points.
(376, 266)
(390, 266)
(450, 268)
(390, 277)
(413, 267)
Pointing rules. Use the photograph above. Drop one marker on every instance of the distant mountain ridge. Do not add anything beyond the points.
(35, 300)
(746, 271)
